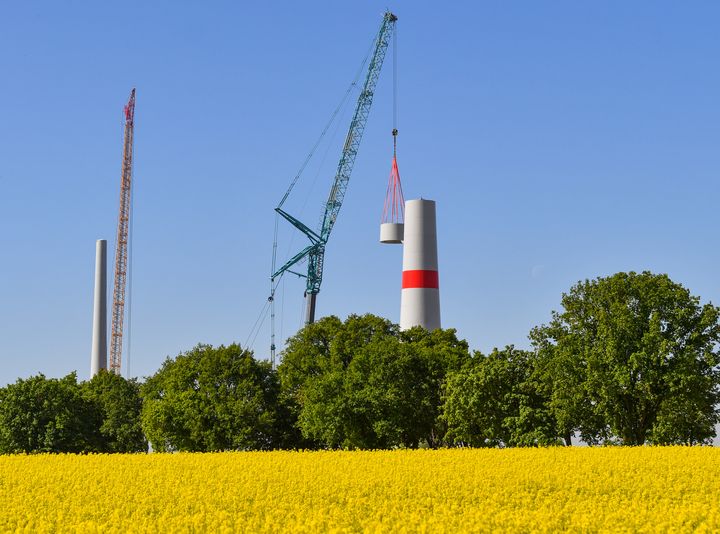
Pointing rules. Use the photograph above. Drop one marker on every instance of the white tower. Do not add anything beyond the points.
(420, 300)
(98, 357)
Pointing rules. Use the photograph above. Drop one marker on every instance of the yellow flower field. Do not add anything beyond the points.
(521, 490)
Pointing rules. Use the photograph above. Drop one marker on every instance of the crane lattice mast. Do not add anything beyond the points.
(121, 248)
(315, 251)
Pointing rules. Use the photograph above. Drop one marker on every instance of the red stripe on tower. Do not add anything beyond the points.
(420, 279)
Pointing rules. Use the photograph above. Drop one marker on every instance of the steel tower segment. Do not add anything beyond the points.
(121, 248)
(316, 251)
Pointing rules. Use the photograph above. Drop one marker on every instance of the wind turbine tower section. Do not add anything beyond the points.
(98, 357)
(420, 299)
(121, 249)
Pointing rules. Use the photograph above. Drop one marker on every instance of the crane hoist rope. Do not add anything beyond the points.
(314, 252)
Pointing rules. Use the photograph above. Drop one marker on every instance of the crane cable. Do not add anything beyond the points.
(259, 321)
(332, 118)
(395, 106)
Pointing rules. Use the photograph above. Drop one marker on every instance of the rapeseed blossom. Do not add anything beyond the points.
(643, 489)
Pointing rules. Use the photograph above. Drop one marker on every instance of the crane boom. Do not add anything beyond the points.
(121, 248)
(315, 252)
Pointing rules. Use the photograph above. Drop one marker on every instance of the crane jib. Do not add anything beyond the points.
(316, 252)
(122, 240)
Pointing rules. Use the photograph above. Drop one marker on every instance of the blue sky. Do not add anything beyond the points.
(561, 141)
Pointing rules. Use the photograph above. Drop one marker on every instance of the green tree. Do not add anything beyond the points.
(307, 354)
(632, 358)
(364, 384)
(212, 399)
(444, 353)
(496, 401)
(311, 372)
(119, 404)
(394, 392)
(41, 414)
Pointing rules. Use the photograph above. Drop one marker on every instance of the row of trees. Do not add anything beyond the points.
(630, 359)
(42, 414)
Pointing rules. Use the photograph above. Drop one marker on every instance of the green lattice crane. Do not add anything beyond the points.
(315, 251)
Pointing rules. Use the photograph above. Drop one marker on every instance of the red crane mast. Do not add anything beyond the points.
(121, 248)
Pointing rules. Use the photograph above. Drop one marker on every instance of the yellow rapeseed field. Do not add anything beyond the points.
(521, 490)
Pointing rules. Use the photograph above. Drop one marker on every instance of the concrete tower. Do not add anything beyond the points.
(420, 301)
(98, 358)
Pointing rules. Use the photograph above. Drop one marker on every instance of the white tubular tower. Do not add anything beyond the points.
(98, 357)
(420, 300)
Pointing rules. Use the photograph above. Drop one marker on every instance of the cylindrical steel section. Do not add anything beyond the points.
(420, 301)
(391, 233)
(98, 357)
(310, 300)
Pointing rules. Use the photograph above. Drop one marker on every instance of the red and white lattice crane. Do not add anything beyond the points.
(121, 248)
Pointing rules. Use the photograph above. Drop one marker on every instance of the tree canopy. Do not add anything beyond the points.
(629, 359)
(364, 384)
(212, 399)
(119, 404)
(632, 358)
(40, 414)
(496, 400)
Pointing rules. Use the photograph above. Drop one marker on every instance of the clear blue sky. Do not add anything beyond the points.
(561, 140)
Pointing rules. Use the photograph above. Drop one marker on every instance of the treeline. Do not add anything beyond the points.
(42, 414)
(630, 359)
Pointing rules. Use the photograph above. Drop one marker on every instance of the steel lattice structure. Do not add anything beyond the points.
(315, 252)
(121, 248)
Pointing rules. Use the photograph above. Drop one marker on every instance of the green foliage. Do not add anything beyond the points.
(496, 401)
(633, 358)
(41, 414)
(213, 399)
(119, 404)
(364, 384)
